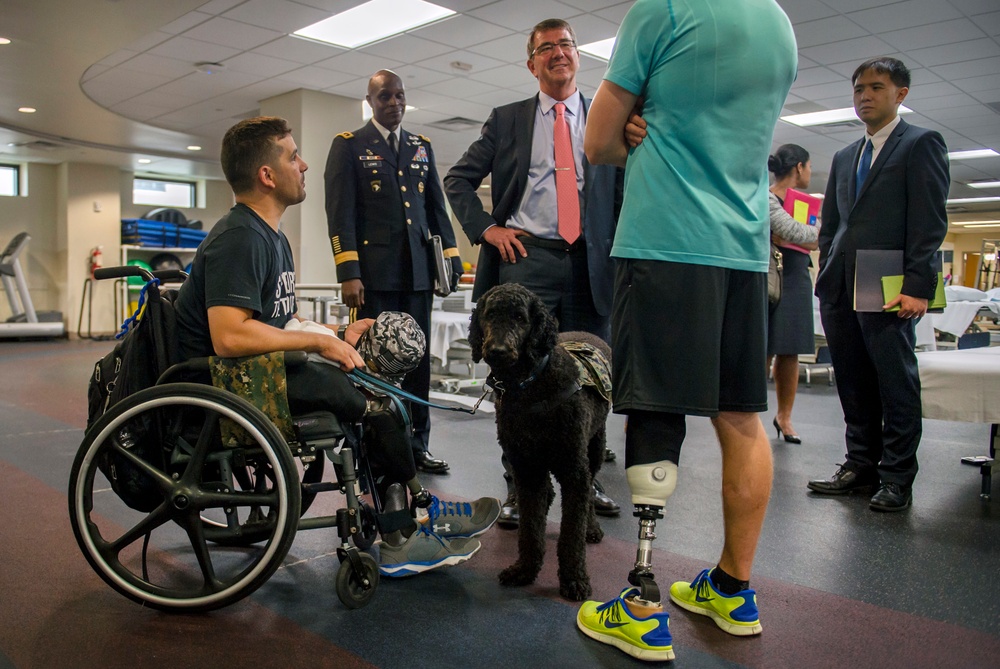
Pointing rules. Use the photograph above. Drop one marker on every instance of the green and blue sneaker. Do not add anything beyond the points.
(736, 614)
(614, 623)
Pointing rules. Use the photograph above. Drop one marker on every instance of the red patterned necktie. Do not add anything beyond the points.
(567, 196)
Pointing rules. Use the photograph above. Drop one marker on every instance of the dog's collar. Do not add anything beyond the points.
(492, 381)
(537, 407)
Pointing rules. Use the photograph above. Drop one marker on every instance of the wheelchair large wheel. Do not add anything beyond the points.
(186, 493)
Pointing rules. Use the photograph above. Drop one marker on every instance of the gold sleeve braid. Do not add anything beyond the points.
(451, 252)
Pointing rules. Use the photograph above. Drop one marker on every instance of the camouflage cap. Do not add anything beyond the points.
(393, 345)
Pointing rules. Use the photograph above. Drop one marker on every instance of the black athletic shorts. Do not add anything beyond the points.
(688, 339)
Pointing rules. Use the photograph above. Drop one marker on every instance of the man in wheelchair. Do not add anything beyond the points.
(238, 301)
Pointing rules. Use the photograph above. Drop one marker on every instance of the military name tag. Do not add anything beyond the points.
(376, 185)
(373, 163)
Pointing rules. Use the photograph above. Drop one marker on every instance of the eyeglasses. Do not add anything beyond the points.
(545, 48)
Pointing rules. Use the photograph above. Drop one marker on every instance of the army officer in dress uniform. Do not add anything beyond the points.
(383, 203)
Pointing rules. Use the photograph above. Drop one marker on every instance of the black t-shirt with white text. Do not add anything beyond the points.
(242, 263)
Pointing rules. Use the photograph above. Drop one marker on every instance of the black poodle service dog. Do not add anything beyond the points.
(551, 409)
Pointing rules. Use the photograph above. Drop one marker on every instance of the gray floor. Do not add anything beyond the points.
(838, 585)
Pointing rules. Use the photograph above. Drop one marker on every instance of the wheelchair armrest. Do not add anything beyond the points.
(295, 358)
(182, 368)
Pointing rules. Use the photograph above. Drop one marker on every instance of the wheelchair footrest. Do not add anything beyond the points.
(321, 486)
(394, 520)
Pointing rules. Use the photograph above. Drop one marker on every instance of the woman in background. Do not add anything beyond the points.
(790, 322)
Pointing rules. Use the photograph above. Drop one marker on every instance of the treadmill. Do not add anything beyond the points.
(25, 321)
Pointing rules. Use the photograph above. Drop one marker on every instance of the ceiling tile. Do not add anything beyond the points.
(118, 85)
(258, 63)
(406, 49)
(510, 49)
(905, 15)
(148, 41)
(93, 71)
(150, 64)
(956, 53)
(443, 63)
(937, 89)
(354, 90)
(800, 11)
(973, 7)
(934, 34)
(989, 23)
(856, 49)
(461, 31)
(503, 76)
(206, 86)
(218, 6)
(186, 22)
(462, 5)
(415, 76)
(300, 50)
(459, 87)
(317, 78)
(824, 31)
(357, 63)
(238, 35)
(522, 15)
(286, 17)
(616, 13)
(591, 28)
(117, 57)
(497, 98)
(970, 68)
(193, 51)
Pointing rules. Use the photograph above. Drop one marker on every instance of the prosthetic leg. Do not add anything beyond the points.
(651, 485)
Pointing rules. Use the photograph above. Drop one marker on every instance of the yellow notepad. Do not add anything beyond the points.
(893, 285)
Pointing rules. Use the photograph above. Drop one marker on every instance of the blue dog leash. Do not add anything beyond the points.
(376, 384)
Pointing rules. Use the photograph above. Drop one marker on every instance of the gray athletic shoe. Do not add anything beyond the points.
(424, 551)
(456, 520)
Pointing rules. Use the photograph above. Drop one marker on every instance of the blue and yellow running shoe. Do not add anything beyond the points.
(736, 614)
(614, 624)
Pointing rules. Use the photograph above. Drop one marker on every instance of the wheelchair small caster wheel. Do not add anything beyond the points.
(357, 579)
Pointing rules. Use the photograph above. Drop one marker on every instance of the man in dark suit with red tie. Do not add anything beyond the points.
(554, 214)
(886, 191)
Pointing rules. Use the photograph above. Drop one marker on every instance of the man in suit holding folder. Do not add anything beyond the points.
(886, 191)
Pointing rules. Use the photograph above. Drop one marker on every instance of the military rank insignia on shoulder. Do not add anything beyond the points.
(425, 138)
(346, 135)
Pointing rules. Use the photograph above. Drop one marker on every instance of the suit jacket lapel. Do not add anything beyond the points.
(883, 155)
(524, 125)
(588, 169)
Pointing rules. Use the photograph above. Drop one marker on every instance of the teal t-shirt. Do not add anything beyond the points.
(714, 74)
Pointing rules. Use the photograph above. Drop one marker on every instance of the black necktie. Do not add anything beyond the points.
(392, 145)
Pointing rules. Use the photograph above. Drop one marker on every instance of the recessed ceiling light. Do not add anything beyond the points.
(601, 50)
(374, 20)
(973, 200)
(830, 116)
(973, 154)
(4, 40)
(984, 184)
(144, 161)
(27, 110)
(194, 148)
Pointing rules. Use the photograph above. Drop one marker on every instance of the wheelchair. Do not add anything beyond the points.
(215, 520)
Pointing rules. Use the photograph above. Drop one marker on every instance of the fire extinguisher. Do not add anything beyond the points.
(96, 259)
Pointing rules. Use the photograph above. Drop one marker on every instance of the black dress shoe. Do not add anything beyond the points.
(892, 497)
(604, 505)
(845, 481)
(428, 463)
(609, 455)
(509, 517)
